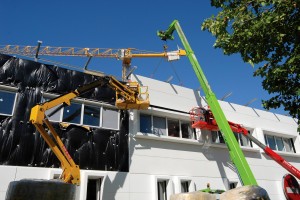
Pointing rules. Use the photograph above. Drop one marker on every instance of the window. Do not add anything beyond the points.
(186, 130)
(173, 128)
(93, 189)
(87, 113)
(159, 125)
(7, 101)
(243, 140)
(217, 137)
(288, 144)
(162, 190)
(232, 185)
(279, 143)
(271, 142)
(166, 126)
(185, 186)
(110, 118)
(145, 123)
(91, 115)
(53, 114)
(163, 187)
(72, 113)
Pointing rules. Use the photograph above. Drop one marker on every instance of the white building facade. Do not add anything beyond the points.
(163, 161)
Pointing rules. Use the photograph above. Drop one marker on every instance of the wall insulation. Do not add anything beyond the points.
(22, 145)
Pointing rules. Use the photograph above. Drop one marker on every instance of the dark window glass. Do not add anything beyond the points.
(215, 137)
(93, 189)
(186, 130)
(7, 100)
(162, 190)
(72, 113)
(232, 185)
(280, 145)
(173, 128)
(184, 186)
(145, 123)
(221, 137)
(159, 125)
(271, 142)
(91, 115)
(236, 135)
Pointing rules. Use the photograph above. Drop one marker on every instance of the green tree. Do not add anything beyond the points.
(266, 33)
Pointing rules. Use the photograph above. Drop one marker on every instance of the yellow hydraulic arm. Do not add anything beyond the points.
(128, 96)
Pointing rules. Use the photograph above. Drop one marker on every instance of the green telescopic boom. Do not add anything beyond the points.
(245, 174)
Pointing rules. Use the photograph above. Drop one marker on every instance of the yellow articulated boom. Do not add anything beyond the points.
(128, 96)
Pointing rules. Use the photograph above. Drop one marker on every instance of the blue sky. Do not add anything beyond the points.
(132, 24)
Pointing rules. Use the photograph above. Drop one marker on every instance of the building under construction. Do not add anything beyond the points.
(135, 138)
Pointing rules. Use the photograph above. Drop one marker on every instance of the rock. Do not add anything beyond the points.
(193, 196)
(36, 189)
(245, 193)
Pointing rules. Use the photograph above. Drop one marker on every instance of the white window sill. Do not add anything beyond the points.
(283, 153)
(222, 145)
(187, 141)
(167, 138)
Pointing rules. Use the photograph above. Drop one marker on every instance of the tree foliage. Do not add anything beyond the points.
(266, 33)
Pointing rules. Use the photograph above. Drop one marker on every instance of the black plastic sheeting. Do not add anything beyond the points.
(22, 145)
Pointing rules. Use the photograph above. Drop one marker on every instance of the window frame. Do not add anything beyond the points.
(83, 115)
(168, 186)
(98, 187)
(101, 119)
(14, 91)
(275, 138)
(162, 195)
(238, 137)
(155, 127)
(83, 103)
(190, 128)
(166, 119)
(219, 137)
(232, 184)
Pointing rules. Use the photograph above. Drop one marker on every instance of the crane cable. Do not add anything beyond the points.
(177, 76)
(165, 46)
(155, 69)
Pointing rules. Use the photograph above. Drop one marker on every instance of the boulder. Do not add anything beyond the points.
(245, 193)
(193, 196)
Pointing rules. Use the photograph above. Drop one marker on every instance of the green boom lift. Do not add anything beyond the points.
(245, 174)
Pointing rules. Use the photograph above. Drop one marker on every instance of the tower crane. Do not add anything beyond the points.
(125, 54)
(129, 95)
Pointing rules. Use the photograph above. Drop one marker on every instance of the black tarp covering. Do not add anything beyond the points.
(22, 145)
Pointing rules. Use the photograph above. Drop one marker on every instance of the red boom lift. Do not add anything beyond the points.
(203, 118)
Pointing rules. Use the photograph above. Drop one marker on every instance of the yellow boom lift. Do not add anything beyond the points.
(128, 96)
